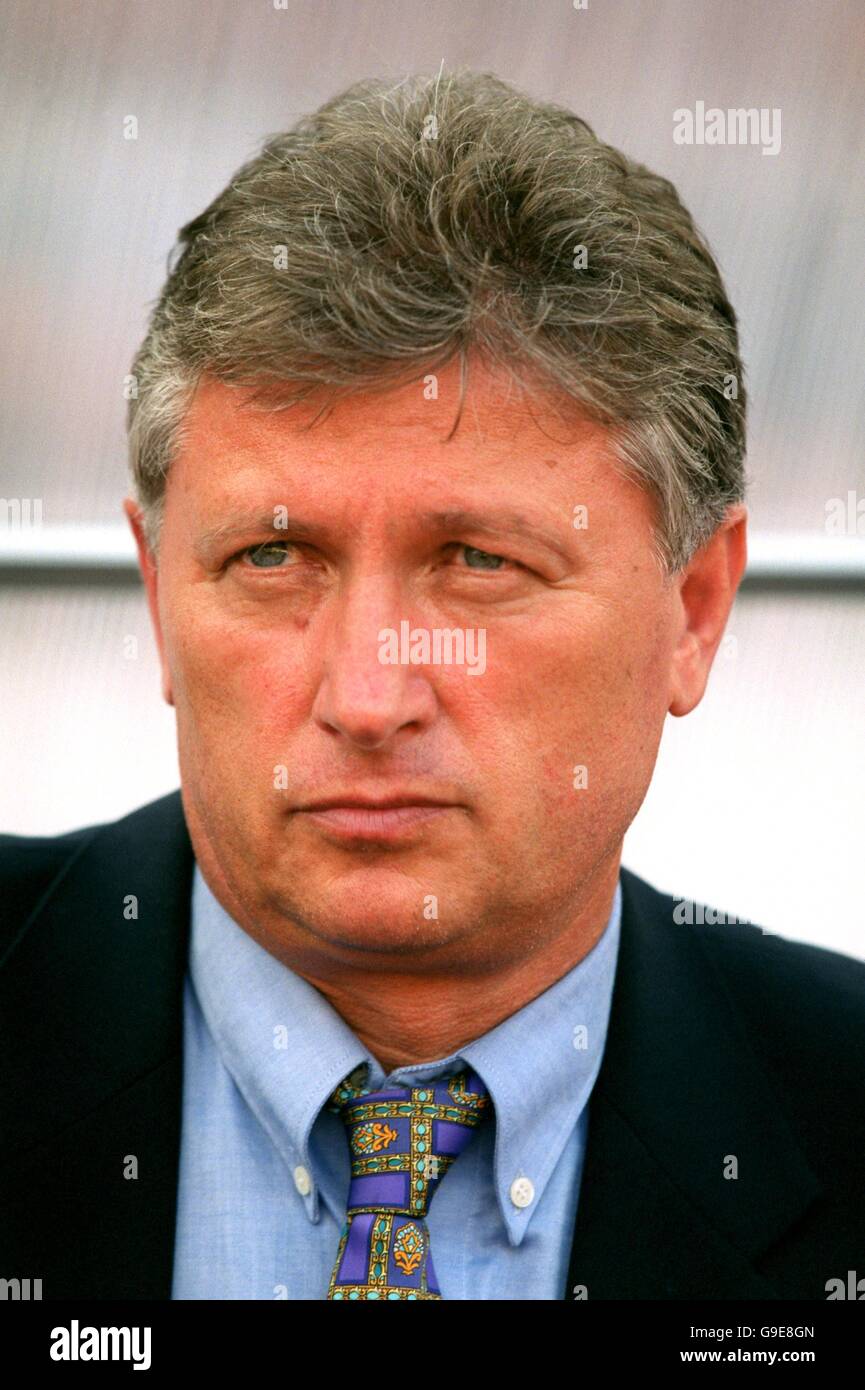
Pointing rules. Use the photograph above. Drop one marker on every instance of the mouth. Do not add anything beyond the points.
(387, 819)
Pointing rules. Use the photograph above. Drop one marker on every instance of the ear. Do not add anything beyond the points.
(149, 573)
(707, 587)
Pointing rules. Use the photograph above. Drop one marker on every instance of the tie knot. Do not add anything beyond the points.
(403, 1139)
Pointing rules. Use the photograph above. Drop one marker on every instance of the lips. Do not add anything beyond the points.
(372, 803)
(353, 817)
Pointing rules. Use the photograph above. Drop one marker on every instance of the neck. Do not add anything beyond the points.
(406, 1014)
(405, 1019)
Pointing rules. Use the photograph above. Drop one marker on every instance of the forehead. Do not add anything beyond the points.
(394, 464)
(379, 458)
(495, 411)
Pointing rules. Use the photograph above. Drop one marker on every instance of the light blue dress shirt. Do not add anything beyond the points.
(264, 1169)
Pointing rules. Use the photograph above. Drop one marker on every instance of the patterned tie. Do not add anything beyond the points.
(402, 1142)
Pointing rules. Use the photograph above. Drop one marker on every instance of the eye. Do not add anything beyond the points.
(481, 559)
(267, 555)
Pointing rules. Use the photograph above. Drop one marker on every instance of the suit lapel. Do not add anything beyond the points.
(679, 1094)
(91, 1009)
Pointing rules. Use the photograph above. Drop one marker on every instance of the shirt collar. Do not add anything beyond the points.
(287, 1049)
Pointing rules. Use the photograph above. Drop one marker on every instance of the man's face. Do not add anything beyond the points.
(371, 520)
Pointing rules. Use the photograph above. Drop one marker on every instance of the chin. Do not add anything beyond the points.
(379, 909)
(384, 932)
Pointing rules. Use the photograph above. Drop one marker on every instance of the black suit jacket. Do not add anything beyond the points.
(723, 1042)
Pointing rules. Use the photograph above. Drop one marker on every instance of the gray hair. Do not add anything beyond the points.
(401, 226)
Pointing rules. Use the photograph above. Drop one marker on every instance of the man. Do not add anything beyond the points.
(437, 441)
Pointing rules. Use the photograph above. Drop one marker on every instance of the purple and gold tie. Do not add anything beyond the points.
(402, 1141)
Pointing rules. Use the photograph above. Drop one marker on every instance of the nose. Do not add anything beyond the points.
(364, 699)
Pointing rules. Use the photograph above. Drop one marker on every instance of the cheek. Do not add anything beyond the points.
(220, 658)
(236, 689)
(599, 706)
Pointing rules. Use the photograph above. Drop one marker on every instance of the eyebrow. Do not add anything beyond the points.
(452, 519)
(496, 523)
(256, 521)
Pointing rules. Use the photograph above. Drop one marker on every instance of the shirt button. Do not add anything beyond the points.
(522, 1192)
(302, 1181)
